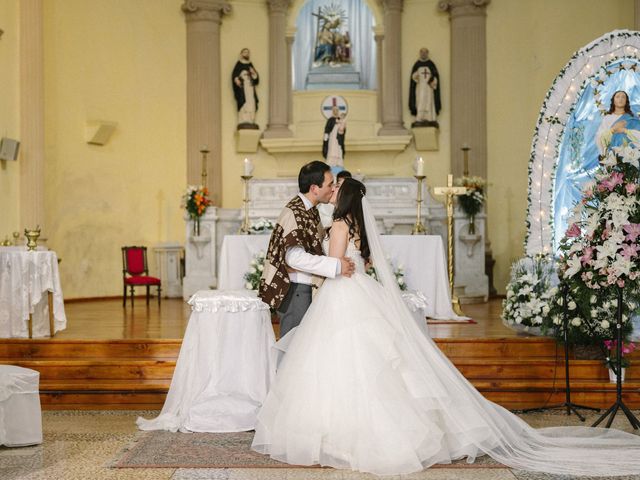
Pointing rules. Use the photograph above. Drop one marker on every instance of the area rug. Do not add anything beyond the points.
(160, 449)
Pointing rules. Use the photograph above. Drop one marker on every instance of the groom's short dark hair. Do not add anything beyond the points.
(312, 174)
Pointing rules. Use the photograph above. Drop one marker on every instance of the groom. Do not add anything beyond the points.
(295, 263)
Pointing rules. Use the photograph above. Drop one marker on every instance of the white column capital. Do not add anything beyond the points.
(205, 10)
(278, 6)
(464, 7)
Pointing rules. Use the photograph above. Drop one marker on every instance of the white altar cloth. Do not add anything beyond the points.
(225, 367)
(25, 279)
(421, 256)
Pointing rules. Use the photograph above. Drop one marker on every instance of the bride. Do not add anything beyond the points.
(362, 388)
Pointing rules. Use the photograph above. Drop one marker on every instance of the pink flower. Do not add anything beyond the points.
(588, 193)
(587, 255)
(629, 251)
(573, 231)
(632, 230)
(630, 188)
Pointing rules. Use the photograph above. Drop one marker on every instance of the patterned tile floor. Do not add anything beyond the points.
(82, 445)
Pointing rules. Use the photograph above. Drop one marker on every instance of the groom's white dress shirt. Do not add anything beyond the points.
(308, 264)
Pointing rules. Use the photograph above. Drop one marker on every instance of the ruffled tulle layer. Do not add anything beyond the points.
(361, 387)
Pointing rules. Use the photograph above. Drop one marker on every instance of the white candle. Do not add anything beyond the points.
(248, 167)
(420, 167)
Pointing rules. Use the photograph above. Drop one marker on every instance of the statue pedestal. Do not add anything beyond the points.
(426, 138)
(200, 254)
(247, 140)
(326, 77)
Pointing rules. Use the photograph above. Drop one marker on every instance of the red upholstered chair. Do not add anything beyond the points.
(135, 273)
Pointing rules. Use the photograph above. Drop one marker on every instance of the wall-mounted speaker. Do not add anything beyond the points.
(9, 149)
(99, 132)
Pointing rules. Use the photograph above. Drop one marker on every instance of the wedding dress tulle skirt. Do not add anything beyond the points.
(362, 388)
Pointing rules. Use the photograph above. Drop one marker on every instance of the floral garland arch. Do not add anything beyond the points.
(586, 72)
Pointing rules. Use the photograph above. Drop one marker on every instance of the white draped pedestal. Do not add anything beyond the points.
(225, 367)
(421, 256)
(27, 280)
(20, 414)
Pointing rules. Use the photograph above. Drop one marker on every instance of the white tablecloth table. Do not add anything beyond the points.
(20, 413)
(225, 367)
(421, 256)
(27, 280)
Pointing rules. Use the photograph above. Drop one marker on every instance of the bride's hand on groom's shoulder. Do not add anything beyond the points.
(347, 267)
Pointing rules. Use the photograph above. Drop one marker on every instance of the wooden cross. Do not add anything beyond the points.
(449, 192)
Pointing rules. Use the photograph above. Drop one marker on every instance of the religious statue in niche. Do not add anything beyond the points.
(333, 44)
(244, 80)
(333, 139)
(424, 91)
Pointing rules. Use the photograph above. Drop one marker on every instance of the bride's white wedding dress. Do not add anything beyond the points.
(362, 388)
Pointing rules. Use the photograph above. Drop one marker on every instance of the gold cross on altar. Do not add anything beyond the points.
(450, 191)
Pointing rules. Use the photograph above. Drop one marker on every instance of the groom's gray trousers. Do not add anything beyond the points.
(295, 304)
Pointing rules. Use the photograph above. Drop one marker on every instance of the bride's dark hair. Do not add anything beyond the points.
(349, 209)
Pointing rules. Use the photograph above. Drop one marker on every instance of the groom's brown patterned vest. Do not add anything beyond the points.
(296, 226)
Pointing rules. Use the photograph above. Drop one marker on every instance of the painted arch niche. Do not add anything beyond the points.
(358, 20)
(564, 155)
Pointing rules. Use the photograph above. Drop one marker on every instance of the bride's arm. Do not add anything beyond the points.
(339, 239)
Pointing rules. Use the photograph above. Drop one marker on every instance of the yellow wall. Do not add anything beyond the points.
(124, 61)
(119, 61)
(528, 42)
(9, 116)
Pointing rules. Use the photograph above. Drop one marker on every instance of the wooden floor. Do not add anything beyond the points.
(111, 357)
(108, 320)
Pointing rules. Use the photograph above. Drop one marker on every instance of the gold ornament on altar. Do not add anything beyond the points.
(418, 167)
(245, 228)
(16, 237)
(32, 237)
(6, 242)
(449, 192)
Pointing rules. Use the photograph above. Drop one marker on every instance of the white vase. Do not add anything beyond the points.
(612, 375)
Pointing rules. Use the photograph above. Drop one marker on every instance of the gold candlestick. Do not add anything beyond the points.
(449, 192)
(465, 158)
(245, 229)
(418, 228)
(204, 151)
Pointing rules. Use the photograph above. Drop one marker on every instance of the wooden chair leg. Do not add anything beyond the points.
(159, 290)
(124, 295)
(132, 292)
(148, 288)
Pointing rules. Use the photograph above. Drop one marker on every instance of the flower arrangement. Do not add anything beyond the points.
(398, 272)
(600, 249)
(471, 202)
(612, 353)
(252, 277)
(195, 201)
(262, 226)
(530, 293)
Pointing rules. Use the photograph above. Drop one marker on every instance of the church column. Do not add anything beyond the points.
(468, 83)
(378, 35)
(204, 116)
(278, 84)
(391, 70)
(32, 160)
(291, 34)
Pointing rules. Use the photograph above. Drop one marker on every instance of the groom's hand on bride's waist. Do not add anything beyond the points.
(347, 267)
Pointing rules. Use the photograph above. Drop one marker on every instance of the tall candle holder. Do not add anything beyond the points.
(245, 229)
(203, 175)
(419, 228)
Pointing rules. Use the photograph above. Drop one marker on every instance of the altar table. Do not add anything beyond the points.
(421, 256)
(31, 302)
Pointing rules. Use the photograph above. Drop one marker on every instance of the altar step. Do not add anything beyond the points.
(136, 374)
